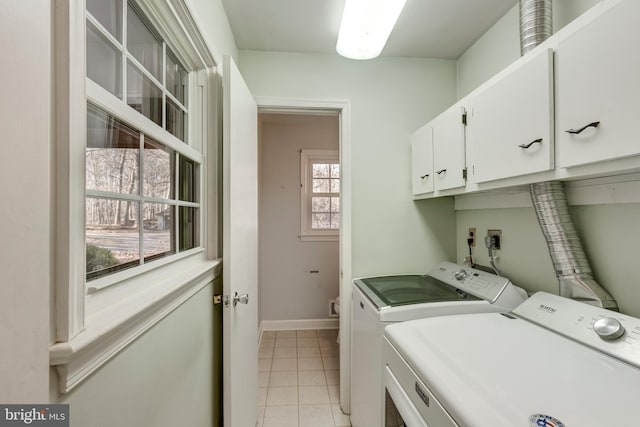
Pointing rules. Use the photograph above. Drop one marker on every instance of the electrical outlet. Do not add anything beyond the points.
(472, 235)
(496, 238)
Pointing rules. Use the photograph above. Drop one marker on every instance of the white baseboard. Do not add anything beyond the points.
(289, 325)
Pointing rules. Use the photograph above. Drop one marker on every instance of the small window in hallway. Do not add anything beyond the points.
(320, 195)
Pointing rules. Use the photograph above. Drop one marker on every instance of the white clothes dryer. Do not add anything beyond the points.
(553, 362)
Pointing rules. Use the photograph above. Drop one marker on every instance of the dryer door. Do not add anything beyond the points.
(413, 401)
(398, 409)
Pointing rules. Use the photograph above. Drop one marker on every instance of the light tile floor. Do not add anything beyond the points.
(299, 379)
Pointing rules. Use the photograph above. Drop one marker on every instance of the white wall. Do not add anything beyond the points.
(609, 235)
(214, 26)
(496, 49)
(565, 11)
(500, 45)
(390, 98)
(25, 185)
(284, 258)
(523, 256)
(164, 378)
(609, 232)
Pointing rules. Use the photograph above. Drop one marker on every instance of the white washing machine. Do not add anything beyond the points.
(553, 362)
(379, 301)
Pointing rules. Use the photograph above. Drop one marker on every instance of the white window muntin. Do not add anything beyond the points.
(307, 159)
(105, 100)
(129, 58)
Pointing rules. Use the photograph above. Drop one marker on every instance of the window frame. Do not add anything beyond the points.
(92, 325)
(107, 102)
(307, 159)
(119, 107)
(139, 198)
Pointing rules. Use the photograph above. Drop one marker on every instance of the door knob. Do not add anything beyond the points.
(242, 299)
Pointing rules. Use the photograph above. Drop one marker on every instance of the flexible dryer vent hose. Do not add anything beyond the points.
(565, 248)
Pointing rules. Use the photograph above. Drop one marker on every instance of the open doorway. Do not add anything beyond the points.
(299, 266)
(299, 212)
(343, 108)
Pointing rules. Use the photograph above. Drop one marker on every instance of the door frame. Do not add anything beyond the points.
(343, 108)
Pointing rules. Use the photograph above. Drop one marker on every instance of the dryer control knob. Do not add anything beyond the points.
(608, 328)
(460, 274)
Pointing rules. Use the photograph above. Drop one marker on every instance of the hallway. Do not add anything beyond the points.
(299, 379)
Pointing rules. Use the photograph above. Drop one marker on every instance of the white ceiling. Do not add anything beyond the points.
(425, 29)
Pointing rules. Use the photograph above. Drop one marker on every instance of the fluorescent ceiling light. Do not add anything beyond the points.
(366, 26)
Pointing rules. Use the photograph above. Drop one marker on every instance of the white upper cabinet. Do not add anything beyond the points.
(567, 110)
(449, 148)
(422, 161)
(598, 88)
(510, 130)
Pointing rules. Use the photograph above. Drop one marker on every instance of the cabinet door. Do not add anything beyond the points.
(598, 80)
(422, 161)
(510, 131)
(448, 149)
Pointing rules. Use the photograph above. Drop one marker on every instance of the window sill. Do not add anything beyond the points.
(319, 238)
(132, 274)
(118, 315)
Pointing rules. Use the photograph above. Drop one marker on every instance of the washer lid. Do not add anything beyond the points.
(498, 370)
(392, 291)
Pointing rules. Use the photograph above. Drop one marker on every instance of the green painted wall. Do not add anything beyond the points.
(390, 98)
(164, 378)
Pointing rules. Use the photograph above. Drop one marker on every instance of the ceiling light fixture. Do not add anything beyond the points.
(366, 26)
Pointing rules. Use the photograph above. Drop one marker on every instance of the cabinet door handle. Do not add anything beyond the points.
(579, 131)
(440, 172)
(535, 141)
(424, 176)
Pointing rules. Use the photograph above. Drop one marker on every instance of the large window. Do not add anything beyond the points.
(319, 195)
(142, 193)
(136, 120)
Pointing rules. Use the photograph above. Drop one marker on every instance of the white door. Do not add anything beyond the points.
(240, 250)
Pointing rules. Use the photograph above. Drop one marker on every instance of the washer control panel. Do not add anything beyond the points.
(607, 331)
(475, 282)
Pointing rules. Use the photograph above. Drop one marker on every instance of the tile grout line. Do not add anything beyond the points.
(331, 418)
